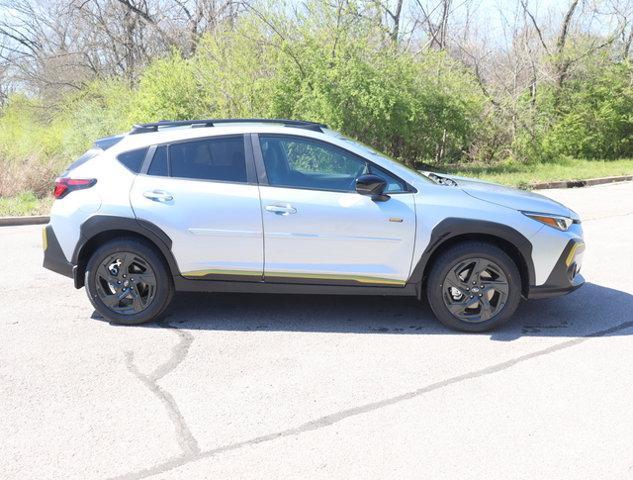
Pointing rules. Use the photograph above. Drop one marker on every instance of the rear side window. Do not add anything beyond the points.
(159, 163)
(133, 159)
(220, 159)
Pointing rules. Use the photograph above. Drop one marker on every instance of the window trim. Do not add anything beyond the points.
(148, 160)
(251, 178)
(263, 178)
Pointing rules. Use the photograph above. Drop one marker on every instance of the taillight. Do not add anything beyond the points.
(63, 185)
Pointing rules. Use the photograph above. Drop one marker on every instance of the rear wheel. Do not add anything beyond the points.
(128, 282)
(474, 287)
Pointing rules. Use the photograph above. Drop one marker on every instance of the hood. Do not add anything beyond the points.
(509, 197)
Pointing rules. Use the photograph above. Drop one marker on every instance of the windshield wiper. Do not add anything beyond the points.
(442, 180)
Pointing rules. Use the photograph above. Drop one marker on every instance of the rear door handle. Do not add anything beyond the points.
(281, 209)
(158, 196)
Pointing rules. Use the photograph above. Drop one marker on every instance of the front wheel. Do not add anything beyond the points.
(128, 282)
(474, 287)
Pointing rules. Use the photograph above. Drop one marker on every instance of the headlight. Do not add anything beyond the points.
(558, 222)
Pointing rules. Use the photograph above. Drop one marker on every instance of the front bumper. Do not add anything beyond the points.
(54, 258)
(565, 276)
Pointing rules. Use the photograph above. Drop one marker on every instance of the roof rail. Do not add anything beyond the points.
(155, 126)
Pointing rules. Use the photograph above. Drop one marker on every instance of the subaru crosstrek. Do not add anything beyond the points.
(282, 206)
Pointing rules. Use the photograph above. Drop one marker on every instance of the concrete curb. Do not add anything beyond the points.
(30, 220)
(580, 183)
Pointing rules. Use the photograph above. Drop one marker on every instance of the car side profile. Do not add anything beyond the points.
(283, 206)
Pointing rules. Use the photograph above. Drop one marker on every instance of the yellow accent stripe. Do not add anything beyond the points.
(316, 276)
(44, 239)
(203, 273)
(356, 278)
(578, 247)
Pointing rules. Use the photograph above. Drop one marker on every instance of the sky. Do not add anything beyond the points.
(490, 15)
(490, 18)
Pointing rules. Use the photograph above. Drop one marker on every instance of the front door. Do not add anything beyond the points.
(317, 229)
(198, 192)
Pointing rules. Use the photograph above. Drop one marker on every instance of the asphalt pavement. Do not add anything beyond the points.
(320, 387)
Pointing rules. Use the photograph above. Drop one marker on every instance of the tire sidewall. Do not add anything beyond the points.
(164, 283)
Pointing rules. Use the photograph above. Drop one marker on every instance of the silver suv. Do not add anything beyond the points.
(280, 206)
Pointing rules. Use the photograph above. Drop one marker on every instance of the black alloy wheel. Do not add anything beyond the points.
(128, 281)
(125, 283)
(475, 290)
(473, 286)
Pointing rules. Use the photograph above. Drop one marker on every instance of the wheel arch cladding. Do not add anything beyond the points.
(101, 228)
(452, 231)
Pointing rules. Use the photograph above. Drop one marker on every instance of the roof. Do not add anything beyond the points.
(161, 132)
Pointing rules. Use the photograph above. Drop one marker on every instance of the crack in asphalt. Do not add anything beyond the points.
(615, 215)
(337, 417)
(186, 440)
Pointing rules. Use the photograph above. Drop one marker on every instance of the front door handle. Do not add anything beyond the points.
(281, 209)
(158, 196)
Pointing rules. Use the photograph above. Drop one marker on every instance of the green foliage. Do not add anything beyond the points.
(23, 204)
(344, 70)
(35, 146)
(20, 129)
(523, 175)
(167, 90)
(414, 108)
(102, 108)
(591, 117)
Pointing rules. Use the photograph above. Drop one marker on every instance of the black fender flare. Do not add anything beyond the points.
(451, 228)
(98, 224)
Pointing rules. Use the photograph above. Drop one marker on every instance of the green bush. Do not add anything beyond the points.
(590, 118)
(21, 129)
(413, 108)
(102, 108)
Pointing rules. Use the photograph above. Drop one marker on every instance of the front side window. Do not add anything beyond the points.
(306, 163)
(220, 159)
(394, 184)
(368, 151)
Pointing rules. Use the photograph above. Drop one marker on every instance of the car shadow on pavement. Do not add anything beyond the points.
(592, 310)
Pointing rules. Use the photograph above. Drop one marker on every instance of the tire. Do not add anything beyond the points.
(454, 287)
(145, 298)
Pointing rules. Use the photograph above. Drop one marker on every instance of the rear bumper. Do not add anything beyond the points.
(565, 276)
(54, 258)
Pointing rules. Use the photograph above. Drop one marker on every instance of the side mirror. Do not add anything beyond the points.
(373, 186)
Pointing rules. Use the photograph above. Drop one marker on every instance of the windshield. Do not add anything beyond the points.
(372, 153)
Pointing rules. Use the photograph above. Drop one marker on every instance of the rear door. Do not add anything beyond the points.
(317, 228)
(203, 194)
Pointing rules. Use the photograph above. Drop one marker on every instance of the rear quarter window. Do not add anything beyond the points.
(133, 159)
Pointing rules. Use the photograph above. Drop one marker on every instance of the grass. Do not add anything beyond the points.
(510, 173)
(24, 204)
(524, 175)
